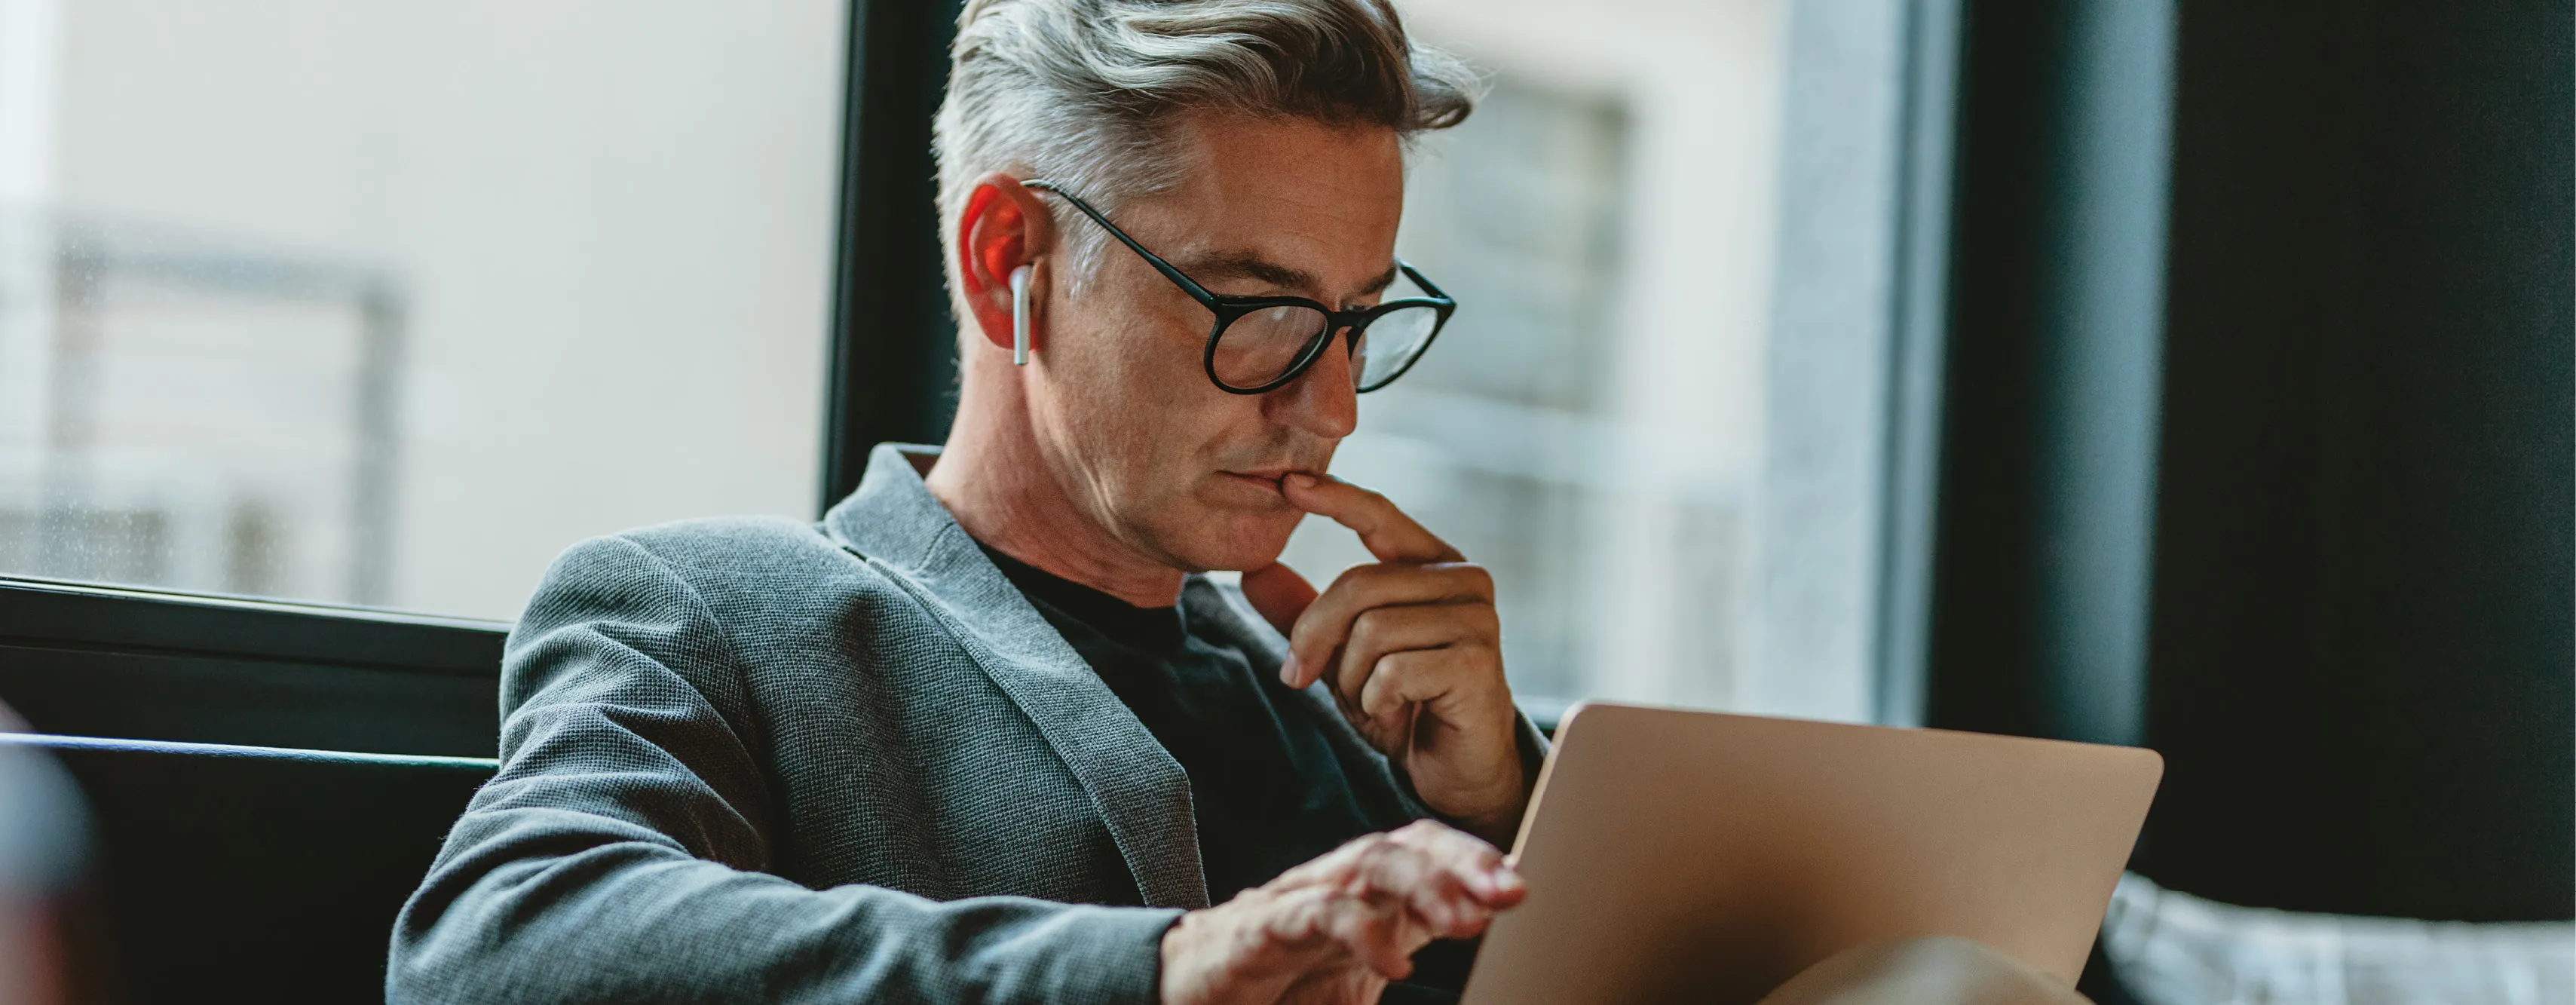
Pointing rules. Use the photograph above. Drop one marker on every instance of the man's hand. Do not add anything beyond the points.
(1412, 651)
(1336, 929)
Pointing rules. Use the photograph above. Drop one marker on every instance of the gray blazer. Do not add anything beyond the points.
(760, 760)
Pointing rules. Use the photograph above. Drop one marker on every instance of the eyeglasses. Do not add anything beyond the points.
(1259, 344)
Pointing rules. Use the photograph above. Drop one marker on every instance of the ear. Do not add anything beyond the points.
(1002, 228)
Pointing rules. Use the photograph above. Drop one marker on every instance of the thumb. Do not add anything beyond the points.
(1279, 593)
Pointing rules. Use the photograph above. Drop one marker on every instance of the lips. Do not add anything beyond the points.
(1267, 478)
(1270, 482)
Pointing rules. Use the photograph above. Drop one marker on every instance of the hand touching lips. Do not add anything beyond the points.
(1268, 479)
(1411, 649)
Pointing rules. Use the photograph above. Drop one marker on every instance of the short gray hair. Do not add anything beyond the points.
(1082, 92)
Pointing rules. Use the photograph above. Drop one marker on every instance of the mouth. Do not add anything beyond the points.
(1266, 478)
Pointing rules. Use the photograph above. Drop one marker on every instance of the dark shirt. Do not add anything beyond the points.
(1267, 794)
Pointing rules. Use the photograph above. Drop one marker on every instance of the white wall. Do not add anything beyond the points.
(613, 223)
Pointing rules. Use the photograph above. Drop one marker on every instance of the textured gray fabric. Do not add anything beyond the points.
(757, 760)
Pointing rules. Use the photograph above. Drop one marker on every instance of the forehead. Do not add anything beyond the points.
(1318, 198)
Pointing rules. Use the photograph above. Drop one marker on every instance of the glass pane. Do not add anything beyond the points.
(387, 302)
(1657, 412)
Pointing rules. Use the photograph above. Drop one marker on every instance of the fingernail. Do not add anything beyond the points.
(1288, 670)
(1300, 479)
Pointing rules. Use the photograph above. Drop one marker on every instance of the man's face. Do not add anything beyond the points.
(1143, 441)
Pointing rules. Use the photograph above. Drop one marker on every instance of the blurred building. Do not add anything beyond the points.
(1659, 414)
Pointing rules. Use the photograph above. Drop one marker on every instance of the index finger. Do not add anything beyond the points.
(1484, 869)
(1388, 534)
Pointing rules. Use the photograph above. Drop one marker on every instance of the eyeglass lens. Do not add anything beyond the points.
(1391, 342)
(1261, 347)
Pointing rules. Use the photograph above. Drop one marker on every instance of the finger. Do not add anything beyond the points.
(1481, 867)
(1313, 920)
(1460, 686)
(1450, 881)
(1418, 678)
(1325, 625)
(1382, 935)
(1385, 631)
(1410, 874)
(1433, 897)
(1385, 530)
(1450, 848)
(1379, 869)
(1279, 594)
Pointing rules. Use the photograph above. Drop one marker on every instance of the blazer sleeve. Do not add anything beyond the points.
(616, 855)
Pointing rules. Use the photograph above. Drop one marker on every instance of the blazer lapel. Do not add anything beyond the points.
(1143, 795)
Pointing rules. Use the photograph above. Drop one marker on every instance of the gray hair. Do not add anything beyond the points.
(1082, 92)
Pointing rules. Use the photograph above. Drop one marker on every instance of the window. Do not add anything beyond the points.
(386, 303)
(1659, 414)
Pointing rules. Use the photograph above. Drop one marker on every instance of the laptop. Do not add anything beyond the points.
(1677, 856)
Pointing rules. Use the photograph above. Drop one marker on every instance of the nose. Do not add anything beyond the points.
(1320, 401)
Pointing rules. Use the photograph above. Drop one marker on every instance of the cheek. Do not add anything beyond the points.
(1130, 393)
(1115, 352)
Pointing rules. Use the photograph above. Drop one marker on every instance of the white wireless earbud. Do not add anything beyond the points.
(1020, 316)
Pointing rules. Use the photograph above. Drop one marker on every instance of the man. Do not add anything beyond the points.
(956, 742)
(984, 733)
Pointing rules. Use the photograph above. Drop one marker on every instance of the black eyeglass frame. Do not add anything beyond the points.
(1229, 309)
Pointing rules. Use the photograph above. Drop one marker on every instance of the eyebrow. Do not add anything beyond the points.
(1247, 265)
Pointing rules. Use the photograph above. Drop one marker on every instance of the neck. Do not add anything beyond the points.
(1000, 486)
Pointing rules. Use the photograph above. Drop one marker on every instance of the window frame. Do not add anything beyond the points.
(893, 371)
(83, 659)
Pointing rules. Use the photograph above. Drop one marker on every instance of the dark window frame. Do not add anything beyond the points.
(83, 659)
(893, 373)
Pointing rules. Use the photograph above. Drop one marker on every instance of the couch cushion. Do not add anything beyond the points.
(256, 873)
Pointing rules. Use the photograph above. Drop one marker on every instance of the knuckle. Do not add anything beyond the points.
(1327, 871)
(1350, 578)
(1423, 828)
(1372, 577)
(1369, 625)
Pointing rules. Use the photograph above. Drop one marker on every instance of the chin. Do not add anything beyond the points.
(1235, 539)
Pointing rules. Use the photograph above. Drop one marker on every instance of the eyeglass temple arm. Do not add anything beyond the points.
(1187, 285)
(1173, 273)
(1422, 281)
